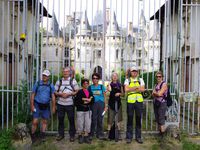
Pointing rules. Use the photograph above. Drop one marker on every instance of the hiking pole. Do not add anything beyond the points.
(116, 121)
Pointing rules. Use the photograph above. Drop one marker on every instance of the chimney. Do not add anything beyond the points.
(107, 15)
(130, 28)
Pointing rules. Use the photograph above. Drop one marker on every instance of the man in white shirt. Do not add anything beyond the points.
(66, 88)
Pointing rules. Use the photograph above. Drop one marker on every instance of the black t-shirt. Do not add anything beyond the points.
(115, 88)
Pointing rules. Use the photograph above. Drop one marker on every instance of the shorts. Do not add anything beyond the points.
(160, 113)
(111, 115)
(38, 113)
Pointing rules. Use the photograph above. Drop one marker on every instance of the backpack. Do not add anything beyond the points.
(70, 83)
(38, 85)
(167, 97)
(72, 86)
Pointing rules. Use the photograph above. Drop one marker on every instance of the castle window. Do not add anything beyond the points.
(44, 64)
(99, 54)
(66, 54)
(56, 52)
(117, 54)
(78, 53)
(66, 63)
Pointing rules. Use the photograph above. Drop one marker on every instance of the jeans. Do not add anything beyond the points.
(97, 118)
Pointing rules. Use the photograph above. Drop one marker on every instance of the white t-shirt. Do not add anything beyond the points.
(66, 88)
(126, 82)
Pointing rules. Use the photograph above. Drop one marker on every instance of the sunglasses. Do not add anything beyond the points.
(95, 78)
(158, 76)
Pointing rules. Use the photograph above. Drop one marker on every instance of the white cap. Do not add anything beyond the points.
(134, 68)
(46, 73)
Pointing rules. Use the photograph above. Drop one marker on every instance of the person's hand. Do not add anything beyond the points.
(32, 108)
(117, 94)
(65, 95)
(105, 108)
(73, 93)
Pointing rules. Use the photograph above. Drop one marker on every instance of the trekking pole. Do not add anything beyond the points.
(116, 121)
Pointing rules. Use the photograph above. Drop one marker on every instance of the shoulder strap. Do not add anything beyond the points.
(162, 84)
(50, 88)
(129, 81)
(60, 83)
(71, 83)
(37, 86)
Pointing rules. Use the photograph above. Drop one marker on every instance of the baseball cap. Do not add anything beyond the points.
(46, 73)
(134, 68)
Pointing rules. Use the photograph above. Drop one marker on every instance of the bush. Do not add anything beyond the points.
(23, 105)
(149, 79)
(5, 139)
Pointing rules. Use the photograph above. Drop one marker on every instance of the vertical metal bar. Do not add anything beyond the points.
(109, 36)
(104, 33)
(126, 57)
(38, 34)
(190, 65)
(23, 45)
(13, 55)
(3, 54)
(193, 104)
(188, 118)
(70, 32)
(147, 111)
(41, 38)
(18, 52)
(198, 54)
(186, 9)
(75, 46)
(7, 63)
(59, 39)
(87, 44)
(92, 35)
(122, 46)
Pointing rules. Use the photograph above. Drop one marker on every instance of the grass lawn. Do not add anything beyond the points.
(150, 143)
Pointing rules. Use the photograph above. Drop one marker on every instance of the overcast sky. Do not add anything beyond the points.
(126, 9)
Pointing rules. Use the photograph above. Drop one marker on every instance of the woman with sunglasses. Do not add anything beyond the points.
(83, 102)
(160, 104)
(99, 106)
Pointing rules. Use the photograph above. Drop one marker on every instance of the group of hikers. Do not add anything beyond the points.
(91, 104)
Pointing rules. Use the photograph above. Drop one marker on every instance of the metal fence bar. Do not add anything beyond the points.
(3, 80)
(13, 55)
(7, 65)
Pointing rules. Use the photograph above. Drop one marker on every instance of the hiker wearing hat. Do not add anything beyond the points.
(42, 93)
(133, 87)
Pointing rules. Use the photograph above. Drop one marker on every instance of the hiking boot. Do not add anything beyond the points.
(59, 137)
(80, 139)
(101, 137)
(72, 139)
(128, 141)
(42, 136)
(87, 140)
(119, 136)
(139, 140)
(33, 138)
(90, 137)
